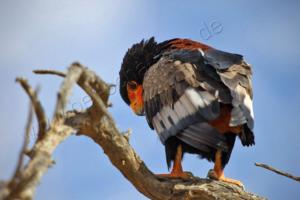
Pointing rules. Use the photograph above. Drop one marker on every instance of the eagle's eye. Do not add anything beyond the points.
(132, 85)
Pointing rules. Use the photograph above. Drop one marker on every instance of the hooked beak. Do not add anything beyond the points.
(135, 94)
(138, 108)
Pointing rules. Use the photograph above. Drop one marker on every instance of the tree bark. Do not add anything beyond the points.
(97, 124)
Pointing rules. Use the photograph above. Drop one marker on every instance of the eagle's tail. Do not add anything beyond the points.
(247, 136)
(203, 137)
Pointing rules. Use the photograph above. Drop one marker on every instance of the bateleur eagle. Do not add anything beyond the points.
(197, 98)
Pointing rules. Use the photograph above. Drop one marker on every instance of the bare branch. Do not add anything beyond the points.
(38, 108)
(39, 163)
(54, 72)
(89, 76)
(42, 150)
(296, 178)
(72, 77)
(18, 170)
(100, 87)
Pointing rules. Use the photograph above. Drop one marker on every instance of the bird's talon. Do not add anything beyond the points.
(213, 175)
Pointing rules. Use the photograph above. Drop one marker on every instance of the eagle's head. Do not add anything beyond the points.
(135, 63)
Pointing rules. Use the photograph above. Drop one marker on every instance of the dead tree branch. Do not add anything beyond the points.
(296, 178)
(18, 171)
(40, 154)
(97, 124)
(45, 71)
(39, 111)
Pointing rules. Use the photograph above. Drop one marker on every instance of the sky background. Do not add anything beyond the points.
(52, 34)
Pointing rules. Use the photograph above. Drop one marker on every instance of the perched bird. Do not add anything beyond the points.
(197, 98)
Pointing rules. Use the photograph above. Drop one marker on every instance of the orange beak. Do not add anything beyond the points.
(135, 95)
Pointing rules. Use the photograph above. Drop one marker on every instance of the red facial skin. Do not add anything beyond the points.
(135, 95)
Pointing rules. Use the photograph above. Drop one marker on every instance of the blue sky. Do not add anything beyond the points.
(53, 34)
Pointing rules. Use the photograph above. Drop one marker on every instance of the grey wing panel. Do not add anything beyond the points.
(192, 107)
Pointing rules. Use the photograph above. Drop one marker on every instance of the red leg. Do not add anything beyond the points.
(218, 173)
(177, 171)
